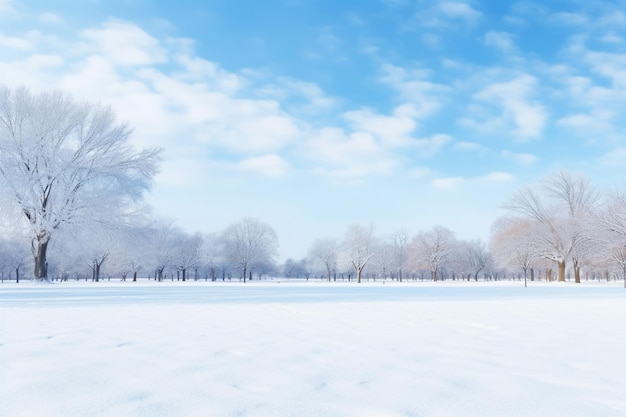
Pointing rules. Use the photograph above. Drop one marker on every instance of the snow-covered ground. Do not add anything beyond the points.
(286, 349)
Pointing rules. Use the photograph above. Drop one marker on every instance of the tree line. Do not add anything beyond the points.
(72, 207)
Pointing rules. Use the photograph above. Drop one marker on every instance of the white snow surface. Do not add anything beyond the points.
(304, 350)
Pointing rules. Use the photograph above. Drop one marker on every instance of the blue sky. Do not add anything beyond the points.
(313, 115)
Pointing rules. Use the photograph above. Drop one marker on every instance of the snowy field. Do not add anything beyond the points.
(286, 349)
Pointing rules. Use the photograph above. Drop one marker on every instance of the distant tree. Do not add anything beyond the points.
(400, 242)
(295, 268)
(213, 254)
(163, 237)
(474, 257)
(512, 244)
(187, 252)
(432, 249)
(385, 257)
(13, 256)
(358, 247)
(325, 251)
(64, 162)
(248, 242)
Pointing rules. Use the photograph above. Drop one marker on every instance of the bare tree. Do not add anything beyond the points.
(163, 238)
(385, 257)
(512, 244)
(400, 241)
(249, 242)
(433, 248)
(63, 162)
(560, 204)
(358, 247)
(213, 254)
(474, 257)
(325, 251)
(13, 256)
(188, 252)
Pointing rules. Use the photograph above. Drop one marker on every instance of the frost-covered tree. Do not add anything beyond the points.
(249, 242)
(63, 162)
(13, 257)
(188, 252)
(325, 251)
(358, 247)
(612, 215)
(512, 244)
(213, 255)
(473, 257)
(561, 206)
(400, 242)
(385, 257)
(432, 249)
(163, 237)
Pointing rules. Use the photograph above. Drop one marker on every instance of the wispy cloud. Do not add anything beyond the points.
(524, 159)
(445, 15)
(452, 183)
(503, 41)
(522, 115)
(124, 44)
(414, 86)
(272, 166)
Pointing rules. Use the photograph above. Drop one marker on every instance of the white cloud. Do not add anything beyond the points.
(497, 177)
(124, 44)
(6, 8)
(452, 183)
(209, 73)
(467, 146)
(348, 155)
(393, 131)
(302, 97)
(612, 38)
(420, 172)
(614, 158)
(272, 166)
(609, 65)
(431, 145)
(15, 43)
(598, 125)
(524, 159)
(447, 183)
(445, 15)
(524, 117)
(578, 19)
(50, 18)
(413, 87)
(459, 10)
(500, 40)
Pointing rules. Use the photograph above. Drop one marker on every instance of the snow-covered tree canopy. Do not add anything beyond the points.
(248, 243)
(63, 161)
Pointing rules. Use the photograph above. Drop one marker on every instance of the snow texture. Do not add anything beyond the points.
(305, 350)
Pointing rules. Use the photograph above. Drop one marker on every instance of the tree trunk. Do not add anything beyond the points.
(40, 258)
(98, 271)
(576, 272)
(561, 271)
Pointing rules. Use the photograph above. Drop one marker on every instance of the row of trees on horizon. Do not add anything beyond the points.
(72, 207)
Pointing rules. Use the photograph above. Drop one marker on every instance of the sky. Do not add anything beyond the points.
(315, 115)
